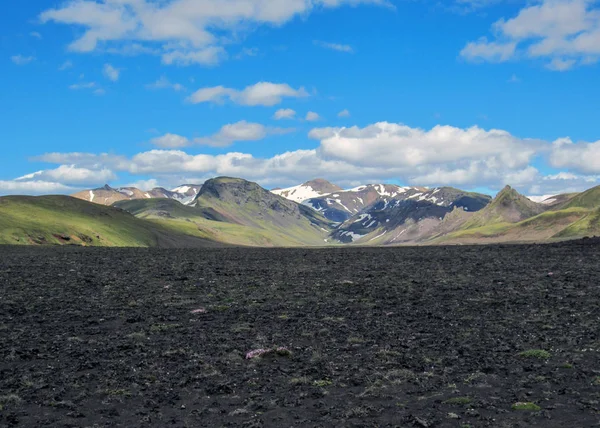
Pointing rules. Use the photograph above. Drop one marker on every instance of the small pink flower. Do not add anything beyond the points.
(256, 353)
(261, 352)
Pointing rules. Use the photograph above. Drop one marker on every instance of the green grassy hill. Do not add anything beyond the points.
(509, 206)
(63, 220)
(237, 212)
(547, 226)
(588, 199)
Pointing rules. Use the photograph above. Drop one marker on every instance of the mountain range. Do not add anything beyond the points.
(233, 211)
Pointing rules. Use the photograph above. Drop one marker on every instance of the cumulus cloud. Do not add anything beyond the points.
(226, 136)
(482, 50)
(85, 160)
(443, 155)
(582, 157)
(22, 60)
(229, 134)
(284, 113)
(563, 32)
(334, 46)
(164, 83)
(12, 187)
(261, 93)
(144, 185)
(111, 73)
(85, 85)
(344, 113)
(395, 144)
(70, 175)
(212, 55)
(311, 116)
(183, 31)
(559, 64)
(170, 141)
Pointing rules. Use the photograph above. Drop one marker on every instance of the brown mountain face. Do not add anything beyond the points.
(322, 186)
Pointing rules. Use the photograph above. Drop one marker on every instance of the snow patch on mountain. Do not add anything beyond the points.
(299, 193)
(543, 199)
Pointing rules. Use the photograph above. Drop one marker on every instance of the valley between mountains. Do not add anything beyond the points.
(234, 211)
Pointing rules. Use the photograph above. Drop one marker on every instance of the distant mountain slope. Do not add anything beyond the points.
(556, 200)
(588, 199)
(310, 189)
(238, 212)
(107, 195)
(341, 205)
(246, 203)
(513, 218)
(509, 206)
(66, 220)
(547, 226)
(409, 216)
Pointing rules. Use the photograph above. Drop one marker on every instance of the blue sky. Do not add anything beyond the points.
(470, 93)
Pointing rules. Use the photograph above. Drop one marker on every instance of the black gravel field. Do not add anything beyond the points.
(496, 336)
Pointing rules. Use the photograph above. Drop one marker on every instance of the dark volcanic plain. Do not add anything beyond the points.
(394, 337)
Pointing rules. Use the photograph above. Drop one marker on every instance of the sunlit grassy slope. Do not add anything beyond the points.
(224, 222)
(63, 220)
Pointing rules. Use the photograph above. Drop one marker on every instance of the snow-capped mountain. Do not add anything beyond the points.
(398, 212)
(310, 189)
(186, 193)
(341, 205)
(107, 195)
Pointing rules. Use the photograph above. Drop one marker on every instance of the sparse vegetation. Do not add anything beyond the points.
(540, 354)
(322, 383)
(527, 406)
(459, 401)
(304, 380)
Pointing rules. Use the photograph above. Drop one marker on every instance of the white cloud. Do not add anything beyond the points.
(170, 141)
(247, 52)
(311, 116)
(86, 85)
(284, 113)
(488, 51)
(581, 157)
(344, 113)
(111, 73)
(559, 64)
(164, 83)
(183, 29)
(32, 188)
(71, 175)
(399, 145)
(36, 35)
(212, 55)
(99, 92)
(22, 60)
(65, 66)
(334, 46)
(567, 32)
(261, 93)
(144, 185)
(443, 155)
(229, 134)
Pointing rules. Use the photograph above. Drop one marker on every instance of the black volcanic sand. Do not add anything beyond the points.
(425, 337)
